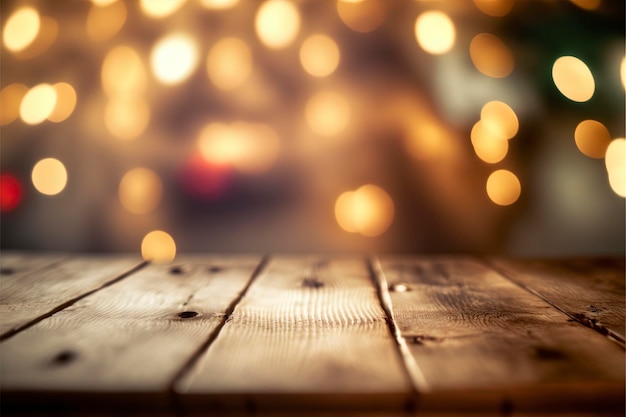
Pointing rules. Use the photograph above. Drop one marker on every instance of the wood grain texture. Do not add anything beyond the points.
(309, 332)
(589, 290)
(38, 289)
(129, 338)
(486, 342)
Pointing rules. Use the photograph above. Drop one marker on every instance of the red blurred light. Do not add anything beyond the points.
(204, 180)
(10, 192)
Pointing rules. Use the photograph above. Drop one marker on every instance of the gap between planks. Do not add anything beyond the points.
(412, 370)
(10, 333)
(188, 366)
(614, 337)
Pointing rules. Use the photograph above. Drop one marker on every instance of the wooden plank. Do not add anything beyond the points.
(590, 290)
(15, 264)
(123, 345)
(38, 291)
(309, 333)
(484, 343)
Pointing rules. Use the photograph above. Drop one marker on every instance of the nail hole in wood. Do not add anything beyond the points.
(548, 353)
(187, 314)
(177, 270)
(399, 287)
(312, 283)
(6, 271)
(65, 357)
(214, 269)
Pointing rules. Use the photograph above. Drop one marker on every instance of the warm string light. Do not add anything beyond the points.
(367, 210)
(573, 78)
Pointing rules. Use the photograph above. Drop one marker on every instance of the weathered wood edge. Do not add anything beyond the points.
(12, 332)
(175, 396)
(414, 373)
(611, 335)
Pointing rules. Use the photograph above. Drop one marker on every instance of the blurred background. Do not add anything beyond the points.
(484, 126)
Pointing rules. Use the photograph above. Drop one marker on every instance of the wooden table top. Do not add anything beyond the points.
(85, 334)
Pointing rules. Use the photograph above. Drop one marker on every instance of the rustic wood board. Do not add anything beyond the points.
(310, 332)
(589, 290)
(128, 339)
(484, 341)
(15, 264)
(34, 292)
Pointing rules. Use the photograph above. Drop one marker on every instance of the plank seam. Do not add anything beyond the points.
(610, 334)
(411, 368)
(10, 333)
(188, 366)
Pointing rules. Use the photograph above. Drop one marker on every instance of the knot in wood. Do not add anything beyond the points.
(177, 270)
(65, 357)
(6, 271)
(214, 269)
(312, 283)
(187, 314)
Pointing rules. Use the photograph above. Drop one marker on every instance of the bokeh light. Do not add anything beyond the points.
(592, 138)
(319, 55)
(622, 72)
(363, 15)
(10, 193)
(21, 29)
(158, 246)
(435, 32)
(103, 3)
(174, 58)
(248, 147)
(328, 113)
(495, 8)
(573, 78)
(10, 99)
(491, 56)
(38, 104)
(65, 102)
(104, 22)
(140, 190)
(488, 146)
(203, 180)
(229, 63)
(503, 187)
(587, 4)
(369, 210)
(425, 139)
(219, 4)
(615, 161)
(160, 8)
(277, 23)
(123, 73)
(49, 176)
(500, 119)
(126, 118)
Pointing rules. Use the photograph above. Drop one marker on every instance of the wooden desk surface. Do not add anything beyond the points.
(248, 334)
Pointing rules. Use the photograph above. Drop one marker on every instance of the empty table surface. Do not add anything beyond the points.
(234, 334)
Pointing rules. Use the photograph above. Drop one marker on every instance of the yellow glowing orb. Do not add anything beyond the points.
(65, 104)
(277, 23)
(126, 118)
(140, 190)
(103, 3)
(174, 58)
(21, 29)
(219, 4)
(369, 210)
(362, 15)
(491, 56)
(319, 55)
(503, 187)
(495, 8)
(160, 8)
(123, 73)
(489, 147)
(573, 78)
(38, 103)
(500, 119)
(435, 32)
(158, 246)
(104, 22)
(615, 161)
(328, 113)
(10, 98)
(49, 176)
(229, 63)
(592, 138)
(622, 72)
